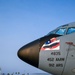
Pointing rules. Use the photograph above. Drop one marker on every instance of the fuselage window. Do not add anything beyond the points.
(71, 30)
(61, 31)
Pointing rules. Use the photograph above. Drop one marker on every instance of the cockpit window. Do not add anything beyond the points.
(71, 30)
(61, 31)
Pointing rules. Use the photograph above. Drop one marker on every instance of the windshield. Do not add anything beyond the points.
(71, 30)
(60, 31)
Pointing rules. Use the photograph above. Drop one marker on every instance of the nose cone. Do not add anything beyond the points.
(30, 53)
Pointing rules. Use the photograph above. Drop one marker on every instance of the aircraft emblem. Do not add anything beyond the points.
(52, 44)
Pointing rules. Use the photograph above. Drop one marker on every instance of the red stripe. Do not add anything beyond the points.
(55, 46)
(52, 47)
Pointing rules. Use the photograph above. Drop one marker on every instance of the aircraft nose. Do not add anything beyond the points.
(30, 53)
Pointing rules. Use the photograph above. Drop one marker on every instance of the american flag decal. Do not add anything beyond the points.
(52, 44)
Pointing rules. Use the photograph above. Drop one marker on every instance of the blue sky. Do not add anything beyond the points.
(22, 21)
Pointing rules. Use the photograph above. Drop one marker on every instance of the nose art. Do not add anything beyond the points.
(30, 53)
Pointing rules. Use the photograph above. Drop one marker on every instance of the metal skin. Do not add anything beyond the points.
(60, 60)
(30, 52)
